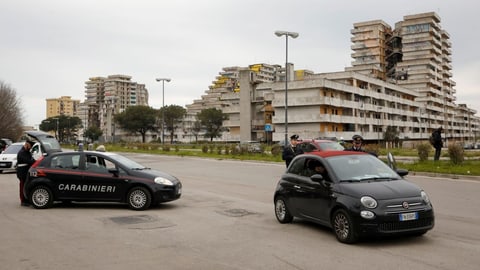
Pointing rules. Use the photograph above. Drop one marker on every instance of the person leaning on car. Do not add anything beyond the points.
(291, 150)
(24, 162)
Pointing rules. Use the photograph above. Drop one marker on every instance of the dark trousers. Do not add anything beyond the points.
(22, 198)
(438, 150)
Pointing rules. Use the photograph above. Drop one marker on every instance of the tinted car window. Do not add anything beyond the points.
(65, 162)
(297, 166)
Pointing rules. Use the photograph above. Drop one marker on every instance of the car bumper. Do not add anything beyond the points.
(390, 223)
(7, 165)
(167, 194)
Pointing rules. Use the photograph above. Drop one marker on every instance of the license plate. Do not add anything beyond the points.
(408, 216)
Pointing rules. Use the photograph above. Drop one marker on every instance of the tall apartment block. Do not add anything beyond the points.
(416, 55)
(106, 96)
(63, 105)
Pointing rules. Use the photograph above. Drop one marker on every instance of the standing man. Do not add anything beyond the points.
(437, 142)
(357, 142)
(291, 150)
(24, 162)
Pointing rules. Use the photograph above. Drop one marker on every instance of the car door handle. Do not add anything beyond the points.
(297, 186)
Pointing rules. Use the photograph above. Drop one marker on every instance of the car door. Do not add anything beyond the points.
(65, 175)
(313, 198)
(102, 184)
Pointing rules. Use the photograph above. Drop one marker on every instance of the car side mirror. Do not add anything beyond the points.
(402, 172)
(317, 178)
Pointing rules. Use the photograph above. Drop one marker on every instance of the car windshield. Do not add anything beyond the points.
(13, 149)
(331, 146)
(126, 162)
(354, 168)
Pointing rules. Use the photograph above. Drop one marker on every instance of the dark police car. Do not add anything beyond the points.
(97, 176)
(357, 195)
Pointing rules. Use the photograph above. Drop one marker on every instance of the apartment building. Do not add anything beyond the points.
(106, 96)
(400, 77)
(63, 105)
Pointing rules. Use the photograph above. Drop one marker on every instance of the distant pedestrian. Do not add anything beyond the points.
(291, 150)
(437, 142)
(24, 162)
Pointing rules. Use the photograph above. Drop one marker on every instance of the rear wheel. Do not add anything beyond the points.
(139, 198)
(343, 227)
(281, 211)
(41, 197)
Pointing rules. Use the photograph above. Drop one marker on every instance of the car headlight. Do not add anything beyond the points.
(163, 181)
(425, 197)
(368, 202)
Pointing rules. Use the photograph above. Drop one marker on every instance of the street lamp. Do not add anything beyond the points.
(163, 104)
(57, 133)
(292, 35)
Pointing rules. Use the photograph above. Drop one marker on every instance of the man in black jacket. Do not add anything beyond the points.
(290, 151)
(24, 162)
(437, 142)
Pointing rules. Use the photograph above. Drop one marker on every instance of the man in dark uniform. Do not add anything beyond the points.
(357, 142)
(24, 162)
(290, 151)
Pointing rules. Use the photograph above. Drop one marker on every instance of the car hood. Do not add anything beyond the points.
(381, 190)
(47, 141)
(152, 174)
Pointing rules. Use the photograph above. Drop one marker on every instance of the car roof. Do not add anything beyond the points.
(333, 153)
(316, 140)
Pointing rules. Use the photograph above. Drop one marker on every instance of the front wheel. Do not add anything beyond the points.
(343, 227)
(281, 211)
(41, 197)
(139, 198)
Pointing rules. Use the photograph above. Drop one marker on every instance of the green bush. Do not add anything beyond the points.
(277, 150)
(166, 147)
(205, 148)
(219, 149)
(456, 154)
(423, 149)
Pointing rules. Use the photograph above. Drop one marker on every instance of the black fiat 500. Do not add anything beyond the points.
(98, 176)
(354, 193)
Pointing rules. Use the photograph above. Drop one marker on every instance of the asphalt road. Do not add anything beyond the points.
(225, 220)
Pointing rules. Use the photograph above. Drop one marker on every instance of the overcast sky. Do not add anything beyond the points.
(50, 48)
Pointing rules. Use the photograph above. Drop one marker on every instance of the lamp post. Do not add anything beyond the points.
(56, 133)
(163, 104)
(292, 35)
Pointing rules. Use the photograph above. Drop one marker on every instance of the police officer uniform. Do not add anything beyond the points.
(291, 150)
(24, 162)
(357, 141)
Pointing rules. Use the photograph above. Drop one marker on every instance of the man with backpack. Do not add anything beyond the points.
(437, 142)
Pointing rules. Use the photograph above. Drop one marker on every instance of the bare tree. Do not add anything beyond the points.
(11, 120)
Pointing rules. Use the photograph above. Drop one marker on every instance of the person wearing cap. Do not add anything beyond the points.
(24, 162)
(291, 150)
(357, 142)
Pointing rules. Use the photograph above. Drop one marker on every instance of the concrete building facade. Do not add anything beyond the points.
(107, 96)
(63, 105)
(400, 78)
